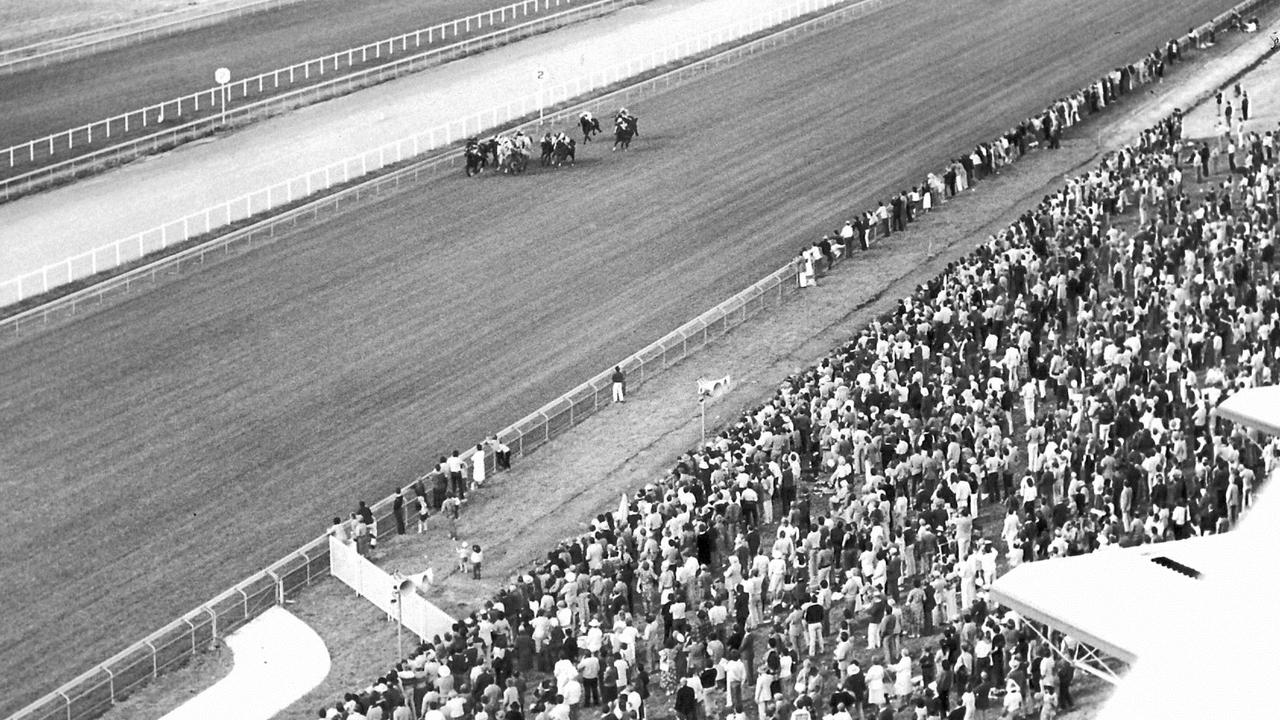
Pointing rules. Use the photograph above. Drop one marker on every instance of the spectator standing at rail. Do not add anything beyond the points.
(423, 510)
(397, 510)
(477, 466)
(341, 531)
(366, 517)
(457, 484)
(501, 453)
(619, 384)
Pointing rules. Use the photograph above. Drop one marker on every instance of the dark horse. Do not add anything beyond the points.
(475, 158)
(625, 128)
(590, 126)
(564, 150)
(548, 147)
(489, 152)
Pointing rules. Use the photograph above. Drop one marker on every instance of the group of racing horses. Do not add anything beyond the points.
(510, 153)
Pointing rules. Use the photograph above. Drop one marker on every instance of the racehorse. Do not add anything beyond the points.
(564, 150)
(548, 147)
(590, 125)
(489, 152)
(625, 127)
(475, 158)
(517, 158)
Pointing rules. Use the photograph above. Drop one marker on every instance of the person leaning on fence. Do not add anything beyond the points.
(366, 517)
(341, 531)
(501, 453)
(619, 385)
(364, 540)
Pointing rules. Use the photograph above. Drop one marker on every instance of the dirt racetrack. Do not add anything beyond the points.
(158, 451)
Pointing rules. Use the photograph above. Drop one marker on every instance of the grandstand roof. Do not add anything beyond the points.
(1229, 626)
(1115, 599)
(1258, 408)
(1183, 610)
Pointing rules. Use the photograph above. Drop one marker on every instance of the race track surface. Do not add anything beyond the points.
(47, 100)
(162, 449)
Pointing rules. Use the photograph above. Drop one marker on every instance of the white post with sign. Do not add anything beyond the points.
(541, 76)
(223, 76)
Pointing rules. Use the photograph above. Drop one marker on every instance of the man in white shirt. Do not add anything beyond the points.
(457, 485)
(433, 712)
(735, 677)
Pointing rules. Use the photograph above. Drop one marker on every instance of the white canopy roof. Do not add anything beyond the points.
(1220, 659)
(1258, 408)
(1204, 648)
(1115, 599)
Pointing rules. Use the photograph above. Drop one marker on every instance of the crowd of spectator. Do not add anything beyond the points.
(829, 553)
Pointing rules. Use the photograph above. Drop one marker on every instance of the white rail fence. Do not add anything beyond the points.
(166, 136)
(210, 100)
(88, 42)
(208, 220)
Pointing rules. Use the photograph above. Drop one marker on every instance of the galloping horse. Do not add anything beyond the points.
(590, 125)
(564, 150)
(489, 152)
(548, 147)
(475, 157)
(625, 127)
(518, 153)
(504, 154)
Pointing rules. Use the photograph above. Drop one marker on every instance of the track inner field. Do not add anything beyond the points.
(47, 100)
(158, 451)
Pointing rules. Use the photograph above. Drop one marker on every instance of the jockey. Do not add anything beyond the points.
(586, 115)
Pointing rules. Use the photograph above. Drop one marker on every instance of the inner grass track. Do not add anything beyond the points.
(43, 101)
(157, 451)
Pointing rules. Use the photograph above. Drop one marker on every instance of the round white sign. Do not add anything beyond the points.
(222, 75)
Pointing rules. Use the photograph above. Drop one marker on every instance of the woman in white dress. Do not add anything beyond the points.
(968, 581)
(902, 679)
(875, 683)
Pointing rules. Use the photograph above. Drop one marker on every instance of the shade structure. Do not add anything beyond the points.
(1220, 660)
(1115, 599)
(1197, 619)
(1257, 408)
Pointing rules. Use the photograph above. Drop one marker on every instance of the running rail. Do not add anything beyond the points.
(284, 194)
(205, 103)
(88, 42)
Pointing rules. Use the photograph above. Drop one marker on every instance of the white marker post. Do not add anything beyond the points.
(541, 76)
(223, 76)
